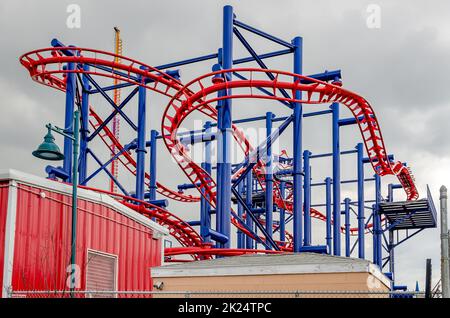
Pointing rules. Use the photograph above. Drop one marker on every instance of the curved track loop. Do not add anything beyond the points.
(215, 251)
(317, 92)
(46, 67)
(179, 229)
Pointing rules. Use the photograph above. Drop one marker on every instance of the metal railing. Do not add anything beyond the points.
(219, 294)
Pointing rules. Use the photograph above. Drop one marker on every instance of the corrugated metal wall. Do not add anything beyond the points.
(3, 210)
(42, 243)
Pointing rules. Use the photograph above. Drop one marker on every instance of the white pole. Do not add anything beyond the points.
(444, 245)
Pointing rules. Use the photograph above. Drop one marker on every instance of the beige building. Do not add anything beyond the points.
(281, 275)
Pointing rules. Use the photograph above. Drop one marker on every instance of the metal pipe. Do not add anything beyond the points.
(336, 181)
(307, 198)
(248, 201)
(445, 281)
(225, 131)
(84, 127)
(282, 226)
(114, 113)
(269, 177)
(73, 244)
(188, 61)
(297, 161)
(205, 207)
(361, 209)
(377, 231)
(140, 150)
(68, 122)
(428, 277)
(328, 237)
(391, 245)
(263, 34)
(347, 226)
(153, 152)
(240, 235)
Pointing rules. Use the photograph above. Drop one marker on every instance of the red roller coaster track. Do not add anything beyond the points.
(46, 67)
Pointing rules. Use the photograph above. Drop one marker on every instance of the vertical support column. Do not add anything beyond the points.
(307, 196)
(153, 147)
(390, 198)
(240, 235)
(444, 244)
(224, 127)
(297, 156)
(347, 226)
(140, 150)
(248, 202)
(361, 208)
(377, 259)
(282, 228)
(68, 122)
(205, 207)
(73, 240)
(269, 179)
(328, 237)
(336, 181)
(84, 126)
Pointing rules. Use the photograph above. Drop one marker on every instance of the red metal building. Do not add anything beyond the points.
(116, 246)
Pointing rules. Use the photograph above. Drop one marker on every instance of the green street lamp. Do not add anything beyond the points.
(48, 150)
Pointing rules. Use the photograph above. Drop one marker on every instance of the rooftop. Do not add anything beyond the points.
(271, 264)
(66, 189)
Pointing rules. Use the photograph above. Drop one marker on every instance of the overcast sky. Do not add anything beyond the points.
(401, 68)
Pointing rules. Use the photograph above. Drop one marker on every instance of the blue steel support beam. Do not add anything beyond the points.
(336, 181)
(377, 231)
(269, 176)
(205, 207)
(261, 57)
(240, 234)
(257, 59)
(391, 238)
(104, 168)
(225, 131)
(268, 239)
(263, 34)
(307, 198)
(361, 208)
(297, 162)
(328, 237)
(153, 152)
(282, 226)
(391, 245)
(84, 132)
(68, 122)
(140, 150)
(248, 201)
(111, 102)
(216, 55)
(347, 226)
(114, 113)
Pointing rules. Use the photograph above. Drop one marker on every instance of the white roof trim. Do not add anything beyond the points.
(270, 269)
(50, 185)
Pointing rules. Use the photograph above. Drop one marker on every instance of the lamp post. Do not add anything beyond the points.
(48, 150)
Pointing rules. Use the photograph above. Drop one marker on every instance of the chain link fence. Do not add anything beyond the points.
(218, 294)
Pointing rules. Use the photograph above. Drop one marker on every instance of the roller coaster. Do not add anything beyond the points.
(245, 194)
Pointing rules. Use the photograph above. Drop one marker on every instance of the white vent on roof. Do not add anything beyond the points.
(101, 274)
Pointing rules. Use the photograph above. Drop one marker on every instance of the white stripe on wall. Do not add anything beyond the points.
(10, 231)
